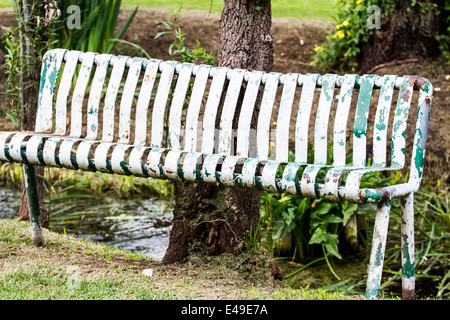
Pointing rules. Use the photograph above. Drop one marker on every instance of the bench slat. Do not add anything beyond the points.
(101, 157)
(49, 151)
(381, 124)
(268, 176)
(248, 172)
(145, 95)
(192, 116)
(288, 181)
(265, 116)
(118, 158)
(361, 117)
(51, 65)
(111, 96)
(190, 172)
(82, 155)
(303, 116)
(96, 94)
(127, 99)
(245, 117)
(284, 117)
(420, 136)
(159, 107)
(212, 104)
(64, 91)
(79, 93)
(171, 165)
(229, 107)
(65, 151)
(322, 117)
(15, 146)
(154, 163)
(227, 176)
(209, 167)
(136, 161)
(400, 122)
(3, 137)
(308, 181)
(341, 120)
(176, 108)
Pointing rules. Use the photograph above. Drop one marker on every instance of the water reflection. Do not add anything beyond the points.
(9, 202)
(141, 225)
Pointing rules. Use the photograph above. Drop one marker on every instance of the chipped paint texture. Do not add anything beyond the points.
(375, 268)
(341, 118)
(149, 99)
(407, 230)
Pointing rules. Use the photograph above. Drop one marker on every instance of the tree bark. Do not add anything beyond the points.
(29, 11)
(211, 218)
(409, 33)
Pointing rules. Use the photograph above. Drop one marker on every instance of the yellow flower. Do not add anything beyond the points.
(345, 23)
(358, 1)
(318, 49)
(340, 34)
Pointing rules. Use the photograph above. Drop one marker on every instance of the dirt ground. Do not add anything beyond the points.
(294, 42)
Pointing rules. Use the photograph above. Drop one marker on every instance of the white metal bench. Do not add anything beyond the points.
(81, 125)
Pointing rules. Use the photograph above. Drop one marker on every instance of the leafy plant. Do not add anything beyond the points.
(24, 47)
(96, 33)
(178, 48)
(13, 70)
(341, 49)
(311, 221)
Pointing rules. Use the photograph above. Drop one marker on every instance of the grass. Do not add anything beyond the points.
(47, 282)
(305, 9)
(66, 268)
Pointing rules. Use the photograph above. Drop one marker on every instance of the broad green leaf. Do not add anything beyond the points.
(324, 207)
(331, 218)
(319, 236)
(348, 209)
(332, 247)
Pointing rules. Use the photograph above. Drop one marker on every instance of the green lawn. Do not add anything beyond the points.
(297, 9)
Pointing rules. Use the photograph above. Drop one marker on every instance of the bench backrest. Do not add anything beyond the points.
(296, 110)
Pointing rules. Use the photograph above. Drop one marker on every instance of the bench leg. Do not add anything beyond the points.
(375, 269)
(407, 229)
(33, 205)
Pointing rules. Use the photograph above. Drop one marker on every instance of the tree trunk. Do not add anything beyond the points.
(408, 33)
(31, 46)
(210, 218)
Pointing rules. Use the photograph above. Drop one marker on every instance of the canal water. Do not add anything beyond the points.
(140, 225)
